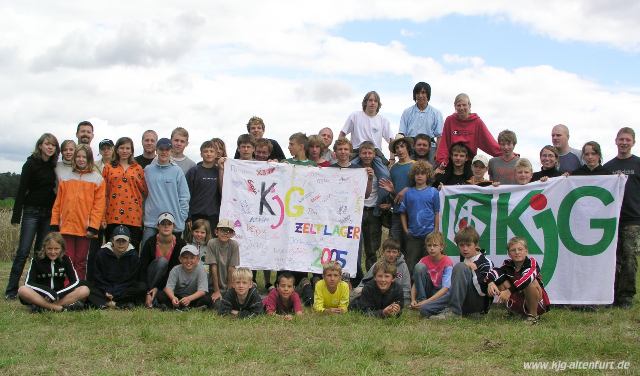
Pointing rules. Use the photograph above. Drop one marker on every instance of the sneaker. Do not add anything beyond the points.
(446, 314)
(126, 306)
(11, 297)
(531, 319)
(111, 304)
(75, 306)
(35, 309)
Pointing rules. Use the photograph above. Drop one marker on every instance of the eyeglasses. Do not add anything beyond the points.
(225, 230)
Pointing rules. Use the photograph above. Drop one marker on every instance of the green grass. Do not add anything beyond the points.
(7, 204)
(152, 342)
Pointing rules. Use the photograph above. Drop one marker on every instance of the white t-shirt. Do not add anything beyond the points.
(367, 128)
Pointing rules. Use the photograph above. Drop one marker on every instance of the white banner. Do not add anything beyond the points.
(570, 224)
(294, 217)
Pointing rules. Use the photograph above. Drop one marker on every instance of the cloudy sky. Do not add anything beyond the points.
(210, 65)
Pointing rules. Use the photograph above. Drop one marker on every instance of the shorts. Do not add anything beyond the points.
(516, 304)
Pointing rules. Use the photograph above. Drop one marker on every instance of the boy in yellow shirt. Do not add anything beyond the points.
(331, 294)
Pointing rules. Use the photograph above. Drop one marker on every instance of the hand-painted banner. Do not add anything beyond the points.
(570, 224)
(294, 217)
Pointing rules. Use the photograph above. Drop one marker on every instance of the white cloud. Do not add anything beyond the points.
(144, 66)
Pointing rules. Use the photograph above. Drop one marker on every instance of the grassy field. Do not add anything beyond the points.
(150, 342)
(141, 341)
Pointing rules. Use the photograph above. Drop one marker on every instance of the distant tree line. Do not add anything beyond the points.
(9, 182)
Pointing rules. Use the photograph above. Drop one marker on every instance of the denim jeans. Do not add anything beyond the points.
(35, 224)
(425, 289)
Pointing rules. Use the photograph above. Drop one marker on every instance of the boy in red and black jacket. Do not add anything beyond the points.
(518, 283)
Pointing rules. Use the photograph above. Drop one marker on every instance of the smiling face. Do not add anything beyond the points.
(343, 152)
(383, 280)
(164, 155)
(463, 108)
(52, 250)
(256, 130)
(149, 142)
(548, 159)
(479, 169)
(81, 160)
(224, 234)
(85, 134)
(124, 151)
(366, 156)
(624, 142)
(120, 245)
(421, 147)
(199, 235)
(523, 175)
(242, 286)
(518, 252)
(285, 287)
(189, 261)
(421, 99)
(262, 153)
(48, 149)
(67, 152)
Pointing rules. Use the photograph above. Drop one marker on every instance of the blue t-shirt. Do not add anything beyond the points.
(400, 176)
(421, 207)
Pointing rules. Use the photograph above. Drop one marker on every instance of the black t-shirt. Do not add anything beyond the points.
(143, 161)
(630, 212)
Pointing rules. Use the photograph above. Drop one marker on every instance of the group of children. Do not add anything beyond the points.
(440, 289)
(179, 196)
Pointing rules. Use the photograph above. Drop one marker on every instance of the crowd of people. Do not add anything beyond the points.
(120, 231)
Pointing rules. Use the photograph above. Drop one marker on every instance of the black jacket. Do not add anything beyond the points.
(114, 274)
(37, 184)
(47, 277)
(252, 304)
(148, 254)
(372, 301)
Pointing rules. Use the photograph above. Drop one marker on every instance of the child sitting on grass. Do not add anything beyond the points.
(116, 275)
(199, 237)
(283, 300)
(381, 297)
(187, 285)
(242, 299)
(391, 254)
(518, 283)
(468, 293)
(222, 256)
(331, 294)
(432, 278)
(44, 287)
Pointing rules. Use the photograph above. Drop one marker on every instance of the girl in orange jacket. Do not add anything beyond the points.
(79, 207)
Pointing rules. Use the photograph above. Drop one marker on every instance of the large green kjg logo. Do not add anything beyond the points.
(476, 209)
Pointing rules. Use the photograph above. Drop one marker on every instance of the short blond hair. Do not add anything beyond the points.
(241, 274)
(523, 163)
(180, 132)
(331, 266)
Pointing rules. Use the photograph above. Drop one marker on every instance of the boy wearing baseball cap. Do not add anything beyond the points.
(222, 256)
(168, 192)
(187, 285)
(479, 167)
(116, 273)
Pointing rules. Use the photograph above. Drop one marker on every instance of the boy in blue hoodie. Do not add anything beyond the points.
(168, 192)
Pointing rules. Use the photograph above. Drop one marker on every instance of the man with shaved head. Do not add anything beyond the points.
(570, 158)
